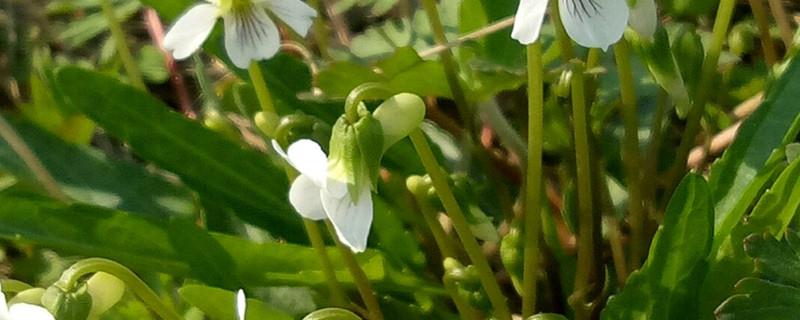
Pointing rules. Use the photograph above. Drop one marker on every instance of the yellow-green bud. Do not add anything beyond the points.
(106, 290)
(399, 115)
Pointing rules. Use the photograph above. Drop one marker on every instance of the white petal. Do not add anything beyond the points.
(528, 20)
(241, 305)
(250, 36)
(191, 29)
(20, 311)
(305, 197)
(295, 13)
(644, 18)
(594, 23)
(352, 221)
(307, 157)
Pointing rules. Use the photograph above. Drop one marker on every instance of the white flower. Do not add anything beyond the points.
(644, 18)
(22, 311)
(316, 196)
(591, 23)
(241, 305)
(250, 34)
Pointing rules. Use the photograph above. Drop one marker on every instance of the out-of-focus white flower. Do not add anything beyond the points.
(250, 34)
(22, 311)
(644, 18)
(591, 23)
(316, 196)
(241, 304)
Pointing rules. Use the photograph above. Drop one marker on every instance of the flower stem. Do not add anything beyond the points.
(586, 227)
(450, 67)
(784, 24)
(260, 86)
(471, 246)
(70, 277)
(465, 310)
(762, 20)
(211, 100)
(321, 34)
(533, 177)
(30, 159)
(564, 42)
(337, 294)
(632, 156)
(359, 277)
(118, 35)
(445, 244)
(709, 70)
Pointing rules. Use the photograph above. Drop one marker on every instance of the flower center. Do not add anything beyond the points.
(582, 8)
(226, 6)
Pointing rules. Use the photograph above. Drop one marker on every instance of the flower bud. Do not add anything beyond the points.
(741, 38)
(511, 254)
(64, 305)
(219, 124)
(266, 122)
(106, 290)
(399, 115)
(355, 152)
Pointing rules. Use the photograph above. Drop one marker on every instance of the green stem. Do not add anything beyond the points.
(338, 296)
(783, 22)
(450, 67)
(564, 42)
(533, 177)
(709, 70)
(321, 34)
(368, 90)
(122, 45)
(359, 277)
(632, 157)
(260, 86)
(762, 20)
(445, 244)
(71, 277)
(211, 100)
(30, 159)
(442, 186)
(593, 58)
(653, 150)
(586, 230)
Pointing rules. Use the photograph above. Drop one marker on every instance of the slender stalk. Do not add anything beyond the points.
(471, 246)
(586, 228)
(450, 67)
(321, 35)
(445, 244)
(564, 42)
(260, 86)
(652, 155)
(337, 294)
(359, 277)
(211, 100)
(632, 156)
(709, 70)
(156, 30)
(533, 177)
(71, 277)
(784, 24)
(122, 45)
(477, 34)
(30, 159)
(593, 58)
(762, 20)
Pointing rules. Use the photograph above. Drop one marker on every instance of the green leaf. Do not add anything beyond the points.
(89, 176)
(778, 206)
(152, 65)
(774, 291)
(220, 304)
(744, 170)
(206, 161)
(332, 314)
(99, 232)
(664, 67)
(666, 286)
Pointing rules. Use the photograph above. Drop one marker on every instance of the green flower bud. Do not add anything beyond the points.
(741, 38)
(511, 254)
(564, 84)
(266, 122)
(417, 186)
(68, 305)
(399, 115)
(663, 66)
(218, 123)
(355, 151)
(332, 314)
(106, 290)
